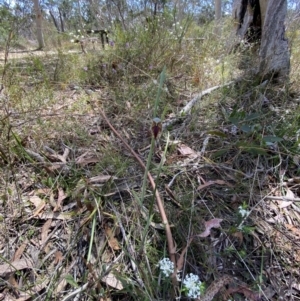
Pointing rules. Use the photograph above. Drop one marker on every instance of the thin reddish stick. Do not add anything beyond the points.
(171, 246)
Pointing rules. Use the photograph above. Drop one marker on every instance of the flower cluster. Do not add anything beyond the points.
(75, 36)
(166, 266)
(243, 212)
(192, 285)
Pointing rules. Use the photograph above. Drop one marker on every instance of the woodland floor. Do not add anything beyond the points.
(71, 191)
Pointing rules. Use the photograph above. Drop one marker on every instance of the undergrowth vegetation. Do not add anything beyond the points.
(78, 217)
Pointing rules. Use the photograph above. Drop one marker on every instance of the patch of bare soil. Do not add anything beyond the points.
(29, 53)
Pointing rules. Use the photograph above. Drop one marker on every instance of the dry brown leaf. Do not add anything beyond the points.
(112, 241)
(296, 255)
(17, 265)
(294, 230)
(66, 154)
(56, 215)
(20, 251)
(218, 182)
(38, 203)
(239, 236)
(60, 287)
(45, 230)
(213, 223)
(87, 158)
(28, 295)
(62, 158)
(42, 191)
(186, 151)
(58, 257)
(13, 284)
(61, 196)
(112, 281)
(101, 179)
(215, 287)
(289, 195)
(54, 167)
(249, 294)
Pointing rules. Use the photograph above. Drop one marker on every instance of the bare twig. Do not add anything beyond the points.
(282, 198)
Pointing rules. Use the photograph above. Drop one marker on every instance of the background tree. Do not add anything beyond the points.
(274, 50)
(39, 29)
(262, 22)
(218, 15)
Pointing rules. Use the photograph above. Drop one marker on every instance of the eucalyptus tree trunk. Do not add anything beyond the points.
(262, 22)
(274, 51)
(61, 18)
(54, 20)
(39, 28)
(218, 15)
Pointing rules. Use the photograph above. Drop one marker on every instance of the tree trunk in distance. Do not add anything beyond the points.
(61, 18)
(80, 16)
(39, 29)
(274, 52)
(218, 15)
(54, 20)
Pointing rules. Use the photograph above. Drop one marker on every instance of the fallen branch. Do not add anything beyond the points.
(192, 103)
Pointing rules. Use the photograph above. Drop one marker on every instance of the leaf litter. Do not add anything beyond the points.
(49, 234)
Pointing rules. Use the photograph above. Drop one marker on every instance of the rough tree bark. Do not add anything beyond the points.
(274, 51)
(262, 21)
(39, 29)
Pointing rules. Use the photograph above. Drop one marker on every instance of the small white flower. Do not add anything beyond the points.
(82, 37)
(192, 284)
(72, 41)
(243, 212)
(92, 31)
(78, 30)
(166, 266)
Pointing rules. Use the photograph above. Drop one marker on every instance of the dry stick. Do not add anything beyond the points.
(171, 246)
(191, 103)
